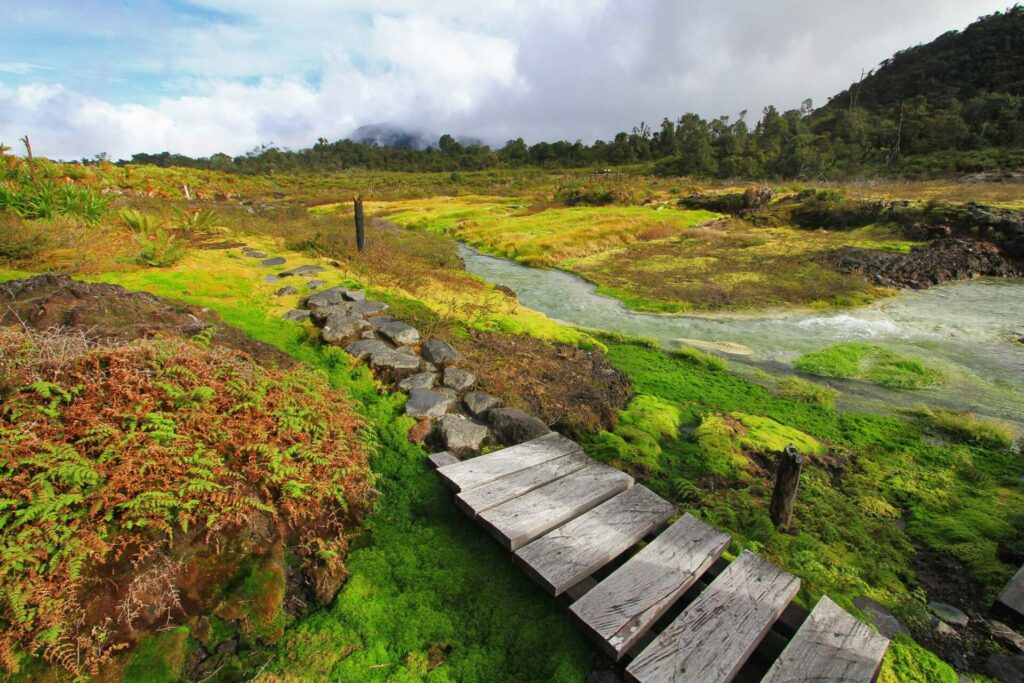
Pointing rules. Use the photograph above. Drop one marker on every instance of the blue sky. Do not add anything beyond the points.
(89, 76)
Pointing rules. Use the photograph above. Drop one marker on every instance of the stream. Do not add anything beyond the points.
(965, 329)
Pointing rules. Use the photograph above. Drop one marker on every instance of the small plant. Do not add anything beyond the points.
(159, 249)
(138, 222)
(200, 220)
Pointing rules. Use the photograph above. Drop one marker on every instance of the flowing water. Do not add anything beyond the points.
(966, 329)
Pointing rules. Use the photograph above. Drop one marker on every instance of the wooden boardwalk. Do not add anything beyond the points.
(567, 517)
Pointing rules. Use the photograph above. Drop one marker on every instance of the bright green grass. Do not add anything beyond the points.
(870, 363)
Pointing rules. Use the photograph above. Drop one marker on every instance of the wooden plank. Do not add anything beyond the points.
(620, 609)
(481, 498)
(441, 459)
(530, 516)
(710, 641)
(1012, 594)
(466, 474)
(565, 556)
(831, 646)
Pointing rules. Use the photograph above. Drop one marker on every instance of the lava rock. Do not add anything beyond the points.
(379, 321)
(399, 332)
(255, 254)
(327, 297)
(949, 614)
(478, 403)
(286, 290)
(296, 315)
(395, 364)
(364, 348)
(422, 380)
(458, 379)
(425, 404)
(512, 425)
(366, 308)
(275, 261)
(315, 284)
(339, 328)
(320, 314)
(459, 434)
(300, 270)
(440, 353)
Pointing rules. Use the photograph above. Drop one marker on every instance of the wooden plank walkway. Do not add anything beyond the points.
(566, 516)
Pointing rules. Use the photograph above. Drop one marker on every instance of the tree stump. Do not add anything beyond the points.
(360, 232)
(787, 482)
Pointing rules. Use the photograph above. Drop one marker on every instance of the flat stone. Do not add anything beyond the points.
(379, 321)
(300, 270)
(458, 379)
(459, 435)
(395, 363)
(440, 352)
(512, 426)
(338, 328)
(1006, 635)
(399, 333)
(246, 249)
(421, 380)
(365, 308)
(364, 348)
(478, 403)
(271, 278)
(355, 295)
(327, 297)
(320, 314)
(885, 621)
(315, 284)
(275, 261)
(296, 314)
(426, 404)
(1006, 668)
(942, 628)
(286, 290)
(949, 614)
(255, 254)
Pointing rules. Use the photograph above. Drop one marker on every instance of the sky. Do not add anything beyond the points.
(85, 77)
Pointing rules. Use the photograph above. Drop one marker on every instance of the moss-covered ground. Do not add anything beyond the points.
(870, 363)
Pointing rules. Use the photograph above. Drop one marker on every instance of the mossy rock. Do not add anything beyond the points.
(159, 658)
(254, 598)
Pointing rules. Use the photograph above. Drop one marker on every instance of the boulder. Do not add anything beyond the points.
(255, 254)
(512, 425)
(320, 314)
(458, 379)
(459, 434)
(299, 270)
(339, 328)
(286, 290)
(422, 380)
(399, 333)
(395, 364)
(424, 404)
(478, 403)
(326, 297)
(364, 348)
(949, 614)
(296, 315)
(365, 308)
(275, 261)
(355, 295)
(440, 353)
(379, 321)
(270, 279)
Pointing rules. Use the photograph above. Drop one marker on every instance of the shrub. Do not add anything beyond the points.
(194, 221)
(159, 249)
(138, 222)
(972, 429)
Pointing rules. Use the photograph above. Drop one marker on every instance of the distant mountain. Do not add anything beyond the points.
(391, 135)
(987, 56)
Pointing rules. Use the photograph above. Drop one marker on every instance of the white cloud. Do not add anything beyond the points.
(21, 68)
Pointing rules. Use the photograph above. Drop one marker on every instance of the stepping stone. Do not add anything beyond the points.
(396, 364)
(275, 261)
(315, 284)
(320, 314)
(364, 348)
(399, 333)
(296, 315)
(513, 426)
(948, 614)
(366, 308)
(440, 352)
(269, 279)
(478, 403)
(459, 435)
(327, 297)
(426, 404)
(423, 380)
(355, 295)
(255, 254)
(458, 379)
(340, 328)
(300, 270)
(246, 249)
(286, 290)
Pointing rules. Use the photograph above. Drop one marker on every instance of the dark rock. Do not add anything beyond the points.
(315, 284)
(379, 321)
(440, 352)
(459, 434)
(426, 404)
(478, 403)
(320, 314)
(884, 620)
(296, 314)
(422, 380)
(364, 348)
(458, 379)
(269, 279)
(1006, 668)
(355, 295)
(418, 432)
(399, 333)
(275, 261)
(339, 328)
(301, 270)
(327, 297)
(286, 290)
(365, 308)
(255, 254)
(512, 425)
(949, 614)
(395, 364)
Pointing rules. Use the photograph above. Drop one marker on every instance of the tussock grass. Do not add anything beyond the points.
(870, 363)
(970, 428)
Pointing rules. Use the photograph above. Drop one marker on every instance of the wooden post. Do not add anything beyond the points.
(360, 233)
(31, 163)
(787, 481)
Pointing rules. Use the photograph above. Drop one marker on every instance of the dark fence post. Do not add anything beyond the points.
(787, 481)
(360, 232)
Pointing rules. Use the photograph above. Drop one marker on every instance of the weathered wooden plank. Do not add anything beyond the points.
(520, 520)
(714, 636)
(481, 498)
(1012, 594)
(441, 459)
(620, 609)
(831, 646)
(565, 556)
(466, 474)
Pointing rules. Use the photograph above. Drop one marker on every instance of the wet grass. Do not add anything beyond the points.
(870, 363)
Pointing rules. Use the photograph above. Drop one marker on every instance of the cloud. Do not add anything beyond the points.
(219, 75)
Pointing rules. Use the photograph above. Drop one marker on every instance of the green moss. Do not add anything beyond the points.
(908, 662)
(719, 447)
(635, 440)
(972, 429)
(159, 658)
(802, 391)
(870, 363)
(765, 435)
(255, 599)
(701, 358)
